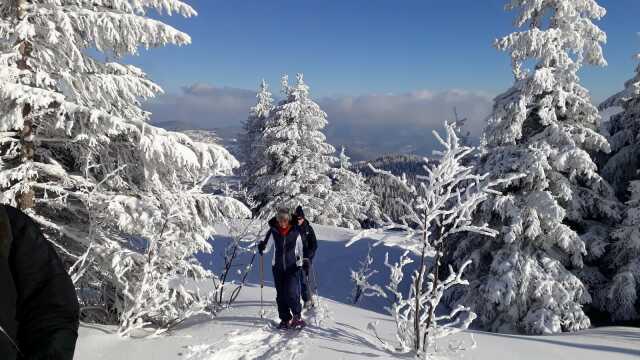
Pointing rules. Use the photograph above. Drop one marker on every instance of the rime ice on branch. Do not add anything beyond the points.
(442, 206)
(120, 199)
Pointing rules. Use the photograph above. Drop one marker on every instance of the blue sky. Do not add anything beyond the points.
(387, 72)
(366, 46)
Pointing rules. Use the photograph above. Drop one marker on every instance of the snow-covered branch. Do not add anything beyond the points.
(442, 206)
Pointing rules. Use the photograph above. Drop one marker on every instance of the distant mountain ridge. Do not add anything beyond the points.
(398, 162)
(408, 164)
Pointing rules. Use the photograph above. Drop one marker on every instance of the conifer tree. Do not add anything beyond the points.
(621, 294)
(623, 130)
(351, 202)
(622, 169)
(121, 200)
(252, 133)
(534, 276)
(297, 158)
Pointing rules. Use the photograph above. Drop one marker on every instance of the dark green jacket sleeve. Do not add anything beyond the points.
(47, 307)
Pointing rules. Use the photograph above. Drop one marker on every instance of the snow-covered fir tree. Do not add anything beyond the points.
(622, 293)
(250, 138)
(623, 130)
(297, 159)
(351, 202)
(622, 169)
(120, 200)
(534, 276)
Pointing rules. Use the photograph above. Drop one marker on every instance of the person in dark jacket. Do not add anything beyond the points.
(286, 266)
(309, 245)
(39, 311)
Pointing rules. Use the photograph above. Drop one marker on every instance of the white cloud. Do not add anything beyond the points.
(376, 124)
(422, 109)
(368, 124)
(204, 106)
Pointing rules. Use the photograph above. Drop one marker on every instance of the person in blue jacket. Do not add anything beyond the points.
(309, 246)
(286, 265)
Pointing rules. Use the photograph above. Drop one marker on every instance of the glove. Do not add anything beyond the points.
(261, 247)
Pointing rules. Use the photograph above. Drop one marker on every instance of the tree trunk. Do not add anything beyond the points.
(416, 318)
(26, 197)
(436, 273)
(418, 290)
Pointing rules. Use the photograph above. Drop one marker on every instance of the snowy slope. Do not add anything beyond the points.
(337, 330)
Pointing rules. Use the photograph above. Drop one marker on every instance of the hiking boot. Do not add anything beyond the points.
(283, 325)
(297, 322)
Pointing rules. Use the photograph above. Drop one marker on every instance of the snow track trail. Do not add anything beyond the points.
(261, 344)
(334, 331)
(264, 343)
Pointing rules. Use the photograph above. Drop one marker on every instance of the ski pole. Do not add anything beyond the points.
(307, 279)
(261, 284)
(312, 270)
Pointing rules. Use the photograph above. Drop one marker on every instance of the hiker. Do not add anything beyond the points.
(309, 245)
(286, 266)
(39, 311)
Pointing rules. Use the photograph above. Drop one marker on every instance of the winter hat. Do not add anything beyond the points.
(283, 215)
(299, 213)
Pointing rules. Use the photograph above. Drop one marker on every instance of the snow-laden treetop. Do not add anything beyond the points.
(54, 54)
(559, 38)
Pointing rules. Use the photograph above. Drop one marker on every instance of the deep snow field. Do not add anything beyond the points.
(336, 328)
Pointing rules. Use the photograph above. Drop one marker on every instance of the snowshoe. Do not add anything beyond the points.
(284, 325)
(297, 323)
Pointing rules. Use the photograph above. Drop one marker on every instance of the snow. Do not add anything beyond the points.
(336, 329)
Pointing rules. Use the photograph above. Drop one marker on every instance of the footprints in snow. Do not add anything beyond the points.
(259, 344)
(264, 343)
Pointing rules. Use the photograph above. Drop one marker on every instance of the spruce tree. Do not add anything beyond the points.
(621, 295)
(296, 157)
(534, 276)
(623, 130)
(351, 202)
(252, 133)
(622, 169)
(121, 200)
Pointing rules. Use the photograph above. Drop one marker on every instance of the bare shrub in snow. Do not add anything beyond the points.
(442, 206)
(361, 283)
